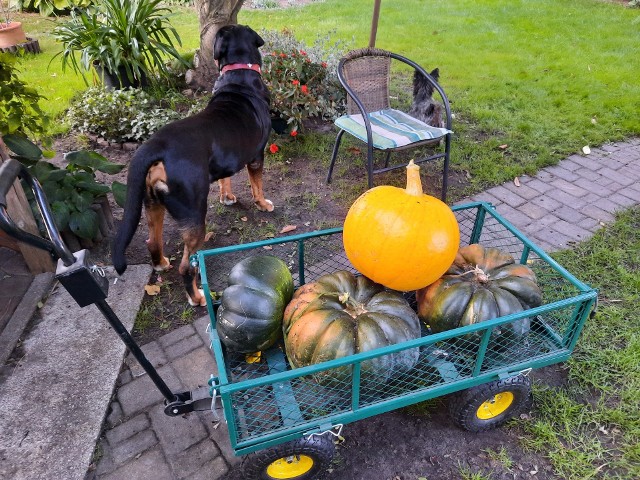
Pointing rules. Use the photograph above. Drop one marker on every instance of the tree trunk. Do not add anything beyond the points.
(213, 14)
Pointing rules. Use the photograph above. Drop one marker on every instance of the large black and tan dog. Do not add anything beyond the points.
(173, 169)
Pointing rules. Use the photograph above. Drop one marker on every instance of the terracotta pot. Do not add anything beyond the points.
(12, 34)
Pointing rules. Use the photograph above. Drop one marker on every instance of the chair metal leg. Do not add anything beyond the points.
(387, 158)
(445, 168)
(370, 165)
(334, 154)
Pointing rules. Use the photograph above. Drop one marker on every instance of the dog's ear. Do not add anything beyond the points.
(257, 39)
(435, 73)
(221, 43)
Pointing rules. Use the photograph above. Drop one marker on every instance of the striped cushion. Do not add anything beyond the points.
(390, 128)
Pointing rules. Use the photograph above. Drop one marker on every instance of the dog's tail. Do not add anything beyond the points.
(136, 186)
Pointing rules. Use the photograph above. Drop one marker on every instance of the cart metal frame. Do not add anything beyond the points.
(266, 405)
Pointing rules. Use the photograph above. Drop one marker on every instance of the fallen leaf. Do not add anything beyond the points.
(288, 228)
(586, 150)
(535, 470)
(467, 174)
(152, 289)
(516, 182)
(268, 247)
(306, 224)
(208, 236)
(503, 147)
(603, 430)
(244, 219)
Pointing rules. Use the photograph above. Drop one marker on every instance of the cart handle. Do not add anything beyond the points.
(10, 170)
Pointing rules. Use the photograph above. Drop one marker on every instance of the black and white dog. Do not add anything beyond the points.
(424, 107)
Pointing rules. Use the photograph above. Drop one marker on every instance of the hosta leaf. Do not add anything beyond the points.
(93, 187)
(61, 214)
(119, 193)
(84, 224)
(22, 146)
(93, 160)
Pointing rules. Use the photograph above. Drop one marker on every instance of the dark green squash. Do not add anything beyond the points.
(249, 318)
(340, 315)
(481, 284)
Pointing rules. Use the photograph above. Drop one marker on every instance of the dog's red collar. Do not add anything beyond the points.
(241, 66)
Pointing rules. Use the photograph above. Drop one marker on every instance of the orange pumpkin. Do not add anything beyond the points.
(401, 238)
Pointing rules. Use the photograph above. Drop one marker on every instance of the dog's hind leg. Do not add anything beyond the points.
(255, 178)
(226, 197)
(154, 211)
(155, 218)
(193, 239)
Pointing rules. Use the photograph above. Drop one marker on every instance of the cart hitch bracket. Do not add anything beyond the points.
(187, 402)
(329, 429)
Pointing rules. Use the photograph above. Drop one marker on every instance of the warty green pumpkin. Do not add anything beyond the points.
(249, 318)
(341, 314)
(481, 284)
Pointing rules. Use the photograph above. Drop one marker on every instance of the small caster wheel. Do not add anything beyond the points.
(300, 459)
(488, 406)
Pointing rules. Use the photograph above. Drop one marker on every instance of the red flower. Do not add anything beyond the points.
(324, 64)
(294, 133)
(273, 148)
(283, 55)
(296, 82)
(304, 89)
(303, 53)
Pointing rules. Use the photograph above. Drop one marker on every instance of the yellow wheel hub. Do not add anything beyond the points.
(290, 467)
(496, 405)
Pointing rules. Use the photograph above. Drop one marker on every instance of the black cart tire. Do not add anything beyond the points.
(488, 406)
(300, 459)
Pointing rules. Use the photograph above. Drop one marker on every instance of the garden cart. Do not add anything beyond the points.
(283, 420)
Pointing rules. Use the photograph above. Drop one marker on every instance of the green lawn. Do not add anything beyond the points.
(591, 428)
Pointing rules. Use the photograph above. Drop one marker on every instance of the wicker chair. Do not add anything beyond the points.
(365, 74)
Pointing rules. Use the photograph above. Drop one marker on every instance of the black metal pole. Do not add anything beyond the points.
(131, 344)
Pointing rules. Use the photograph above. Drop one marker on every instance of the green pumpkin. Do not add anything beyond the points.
(249, 318)
(341, 314)
(481, 284)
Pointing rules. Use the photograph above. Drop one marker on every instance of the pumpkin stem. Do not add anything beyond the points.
(414, 185)
(480, 274)
(352, 307)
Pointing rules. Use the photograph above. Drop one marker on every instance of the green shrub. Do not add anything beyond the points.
(49, 7)
(70, 191)
(19, 104)
(119, 115)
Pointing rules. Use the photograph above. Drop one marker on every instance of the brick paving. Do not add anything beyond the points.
(556, 208)
(567, 203)
(140, 441)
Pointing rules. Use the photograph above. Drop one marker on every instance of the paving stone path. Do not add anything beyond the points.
(559, 206)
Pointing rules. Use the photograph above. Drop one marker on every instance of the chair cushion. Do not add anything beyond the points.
(391, 128)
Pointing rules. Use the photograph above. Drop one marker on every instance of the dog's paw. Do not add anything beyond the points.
(265, 205)
(163, 266)
(228, 199)
(198, 302)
